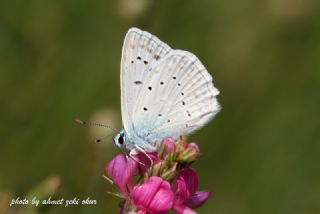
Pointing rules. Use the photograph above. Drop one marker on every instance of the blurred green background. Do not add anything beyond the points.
(60, 60)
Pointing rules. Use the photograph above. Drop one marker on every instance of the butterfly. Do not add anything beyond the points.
(164, 93)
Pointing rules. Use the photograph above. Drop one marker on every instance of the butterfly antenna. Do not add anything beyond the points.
(94, 124)
(99, 140)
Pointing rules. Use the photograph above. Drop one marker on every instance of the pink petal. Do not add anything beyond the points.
(182, 209)
(121, 171)
(146, 161)
(116, 168)
(130, 171)
(142, 212)
(191, 178)
(198, 199)
(181, 191)
(163, 200)
(154, 196)
(143, 194)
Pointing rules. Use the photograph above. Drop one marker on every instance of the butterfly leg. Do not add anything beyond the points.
(144, 152)
(132, 154)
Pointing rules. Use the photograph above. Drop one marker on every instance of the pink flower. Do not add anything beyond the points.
(121, 170)
(186, 197)
(154, 196)
(164, 180)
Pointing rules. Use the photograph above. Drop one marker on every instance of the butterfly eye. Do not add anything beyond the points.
(121, 139)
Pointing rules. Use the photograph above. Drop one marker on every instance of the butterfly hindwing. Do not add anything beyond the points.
(177, 98)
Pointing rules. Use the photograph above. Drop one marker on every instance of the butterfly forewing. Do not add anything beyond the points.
(141, 52)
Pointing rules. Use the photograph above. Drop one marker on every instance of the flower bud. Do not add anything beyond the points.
(169, 174)
(194, 147)
(157, 168)
(169, 145)
(180, 145)
(190, 153)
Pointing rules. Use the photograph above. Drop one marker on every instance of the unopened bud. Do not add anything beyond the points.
(170, 173)
(190, 153)
(180, 145)
(156, 169)
(169, 145)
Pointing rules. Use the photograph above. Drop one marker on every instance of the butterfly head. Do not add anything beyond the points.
(120, 139)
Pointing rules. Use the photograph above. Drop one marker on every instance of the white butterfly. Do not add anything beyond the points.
(164, 92)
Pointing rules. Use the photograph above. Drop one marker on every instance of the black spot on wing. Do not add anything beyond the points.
(137, 82)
